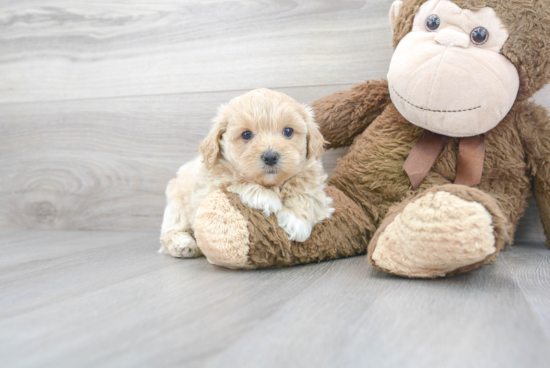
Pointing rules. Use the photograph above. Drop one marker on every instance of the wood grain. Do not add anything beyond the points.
(530, 270)
(59, 49)
(104, 164)
(75, 153)
(101, 102)
(106, 299)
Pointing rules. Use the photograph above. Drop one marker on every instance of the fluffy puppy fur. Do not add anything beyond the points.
(271, 170)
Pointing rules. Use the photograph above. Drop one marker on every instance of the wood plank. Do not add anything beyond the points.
(114, 302)
(59, 49)
(530, 226)
(529, 265)
(104, 164)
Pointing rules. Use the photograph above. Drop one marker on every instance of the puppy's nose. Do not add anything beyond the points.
(270, 158)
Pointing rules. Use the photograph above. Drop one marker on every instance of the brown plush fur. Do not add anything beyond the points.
(360, 105)
(517, 158)
(344, 234)
(372, 174)
(369, 183)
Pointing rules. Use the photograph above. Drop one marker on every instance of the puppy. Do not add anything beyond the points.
(265, 147)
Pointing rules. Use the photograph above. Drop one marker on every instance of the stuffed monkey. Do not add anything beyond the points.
(443, 156)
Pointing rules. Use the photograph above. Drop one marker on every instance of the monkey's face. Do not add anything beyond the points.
(448, 76)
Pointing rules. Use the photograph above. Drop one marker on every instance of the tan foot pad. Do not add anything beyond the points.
(222, 232)
(434, 235)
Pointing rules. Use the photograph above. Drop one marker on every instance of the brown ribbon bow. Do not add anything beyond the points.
(471, 153)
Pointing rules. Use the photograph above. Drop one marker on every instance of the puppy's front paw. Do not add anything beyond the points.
(268, 205)
(296, 228)
(254, 196)
(180, 245)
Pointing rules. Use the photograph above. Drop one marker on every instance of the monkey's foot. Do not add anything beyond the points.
(445, 230)
(222, 232)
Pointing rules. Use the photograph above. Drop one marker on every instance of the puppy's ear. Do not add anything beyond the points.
(315, 140)
(210, 146)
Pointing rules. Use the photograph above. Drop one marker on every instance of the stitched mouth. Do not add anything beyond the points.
(430, 110)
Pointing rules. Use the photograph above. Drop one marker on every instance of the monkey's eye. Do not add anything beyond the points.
(479, 36)
(433, 23)
(246, 135)
(288, 132)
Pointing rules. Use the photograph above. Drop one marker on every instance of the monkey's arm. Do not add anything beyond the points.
(345, 114)
(534, 124)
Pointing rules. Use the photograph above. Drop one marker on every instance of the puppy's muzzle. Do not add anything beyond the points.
(270, 158)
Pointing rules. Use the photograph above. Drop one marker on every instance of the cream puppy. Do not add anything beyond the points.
(265, 147)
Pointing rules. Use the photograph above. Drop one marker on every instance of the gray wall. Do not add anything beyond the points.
(101, 102)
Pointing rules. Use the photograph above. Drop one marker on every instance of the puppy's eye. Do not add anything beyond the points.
(288, 132)
(479, 35)
(433, 23)
(247, 135)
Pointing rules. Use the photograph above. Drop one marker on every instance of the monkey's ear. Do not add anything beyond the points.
(394, 12)
(315, 140)
(210, 146)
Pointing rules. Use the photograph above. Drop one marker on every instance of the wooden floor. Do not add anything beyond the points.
(101, 102)
(106, 299)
